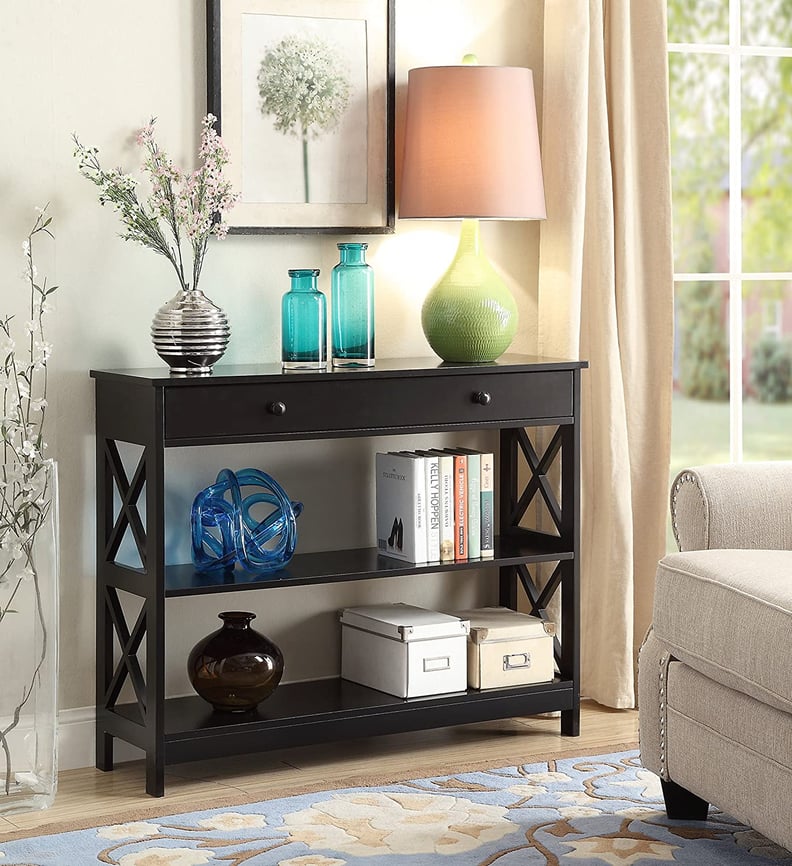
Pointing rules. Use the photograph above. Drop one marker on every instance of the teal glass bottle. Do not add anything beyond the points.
(352, 308)
(304, 323)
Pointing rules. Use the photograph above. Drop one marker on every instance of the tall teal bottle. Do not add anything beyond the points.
(304, 323)
(352, 308)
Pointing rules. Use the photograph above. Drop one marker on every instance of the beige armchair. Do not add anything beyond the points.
(715, 671)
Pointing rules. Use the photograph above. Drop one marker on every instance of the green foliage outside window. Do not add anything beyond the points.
(771, 370)
(703, 347)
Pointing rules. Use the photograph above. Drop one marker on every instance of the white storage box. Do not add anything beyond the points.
(404, 650)
(508, 648)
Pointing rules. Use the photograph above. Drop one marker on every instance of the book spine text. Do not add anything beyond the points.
(460, 506)
(474, 505)
(487, 506)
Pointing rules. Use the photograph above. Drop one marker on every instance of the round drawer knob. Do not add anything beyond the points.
(482, 398)
(277, 408)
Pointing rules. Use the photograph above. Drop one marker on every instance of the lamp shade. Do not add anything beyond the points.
(471, 147)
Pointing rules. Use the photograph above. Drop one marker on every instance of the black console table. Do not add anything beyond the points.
(262, 404)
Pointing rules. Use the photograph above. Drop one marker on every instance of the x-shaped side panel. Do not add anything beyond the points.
(539, 599)
(539, 482)
(129, 641)
(128, 515)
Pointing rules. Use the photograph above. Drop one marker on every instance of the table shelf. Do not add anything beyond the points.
(329, 709)
(357, 564)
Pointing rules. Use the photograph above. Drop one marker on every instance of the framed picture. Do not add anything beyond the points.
(304, 94)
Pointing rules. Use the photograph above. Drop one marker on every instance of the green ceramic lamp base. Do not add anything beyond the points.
(470, 316)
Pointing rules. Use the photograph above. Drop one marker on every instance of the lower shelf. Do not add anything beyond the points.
(331, 709)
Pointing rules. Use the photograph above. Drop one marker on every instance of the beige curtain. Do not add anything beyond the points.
(606, 295)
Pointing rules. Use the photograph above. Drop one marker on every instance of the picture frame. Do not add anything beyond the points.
(304, 93)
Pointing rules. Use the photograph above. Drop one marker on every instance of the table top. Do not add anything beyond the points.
(385, 368)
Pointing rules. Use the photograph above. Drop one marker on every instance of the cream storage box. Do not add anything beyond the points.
(404, 650)
(508, 648)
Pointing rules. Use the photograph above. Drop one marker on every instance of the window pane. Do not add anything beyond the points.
(767, 163)
(767, 370)
(766, 22)
(698, 21)
(700, 419)
(700, 161)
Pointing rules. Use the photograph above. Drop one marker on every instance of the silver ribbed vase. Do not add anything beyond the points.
(190, 333)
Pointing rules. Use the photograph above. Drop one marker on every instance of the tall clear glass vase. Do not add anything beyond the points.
(28, 635)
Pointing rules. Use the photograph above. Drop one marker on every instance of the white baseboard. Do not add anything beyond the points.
(77, 741)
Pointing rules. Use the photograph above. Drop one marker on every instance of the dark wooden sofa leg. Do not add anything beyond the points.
(681, 804)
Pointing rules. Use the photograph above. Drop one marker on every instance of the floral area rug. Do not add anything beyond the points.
(597, 810)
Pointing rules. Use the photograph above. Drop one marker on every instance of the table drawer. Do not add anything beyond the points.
(378, 404)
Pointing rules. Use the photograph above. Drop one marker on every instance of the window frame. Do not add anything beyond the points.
(735, 277)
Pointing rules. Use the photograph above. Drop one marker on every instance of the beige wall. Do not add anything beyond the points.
(101, 68)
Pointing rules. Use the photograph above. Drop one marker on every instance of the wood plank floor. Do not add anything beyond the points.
(89, 792)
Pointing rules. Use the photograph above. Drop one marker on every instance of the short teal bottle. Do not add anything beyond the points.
(352, 308)
(304, 323)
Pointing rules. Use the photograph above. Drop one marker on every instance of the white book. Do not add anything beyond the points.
(446, 472)
(432, 504)
(487, 505)
(401, 507)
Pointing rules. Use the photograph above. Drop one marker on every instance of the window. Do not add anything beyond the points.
(730, 73)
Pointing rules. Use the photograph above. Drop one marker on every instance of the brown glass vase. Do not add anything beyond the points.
(235, 667)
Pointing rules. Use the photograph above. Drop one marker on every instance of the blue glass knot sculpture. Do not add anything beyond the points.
(224, 532)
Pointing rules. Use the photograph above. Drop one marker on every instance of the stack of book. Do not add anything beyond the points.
(436, 505)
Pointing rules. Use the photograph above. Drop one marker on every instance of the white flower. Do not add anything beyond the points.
(41, 354)
(581, 798)
(233, 821)
(130, 830)
(547, 777)
(29, 449)
(368, 823)
(619, 852)
(167, 857)
(637, 812)
(30, 327)
(312, 860)
(38, 404)
(27, 573)
(527, 791)
(26, 247)
(646, 781)
(12, 548)
(570, 812)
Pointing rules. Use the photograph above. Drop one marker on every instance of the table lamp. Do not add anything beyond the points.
(471, 152)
